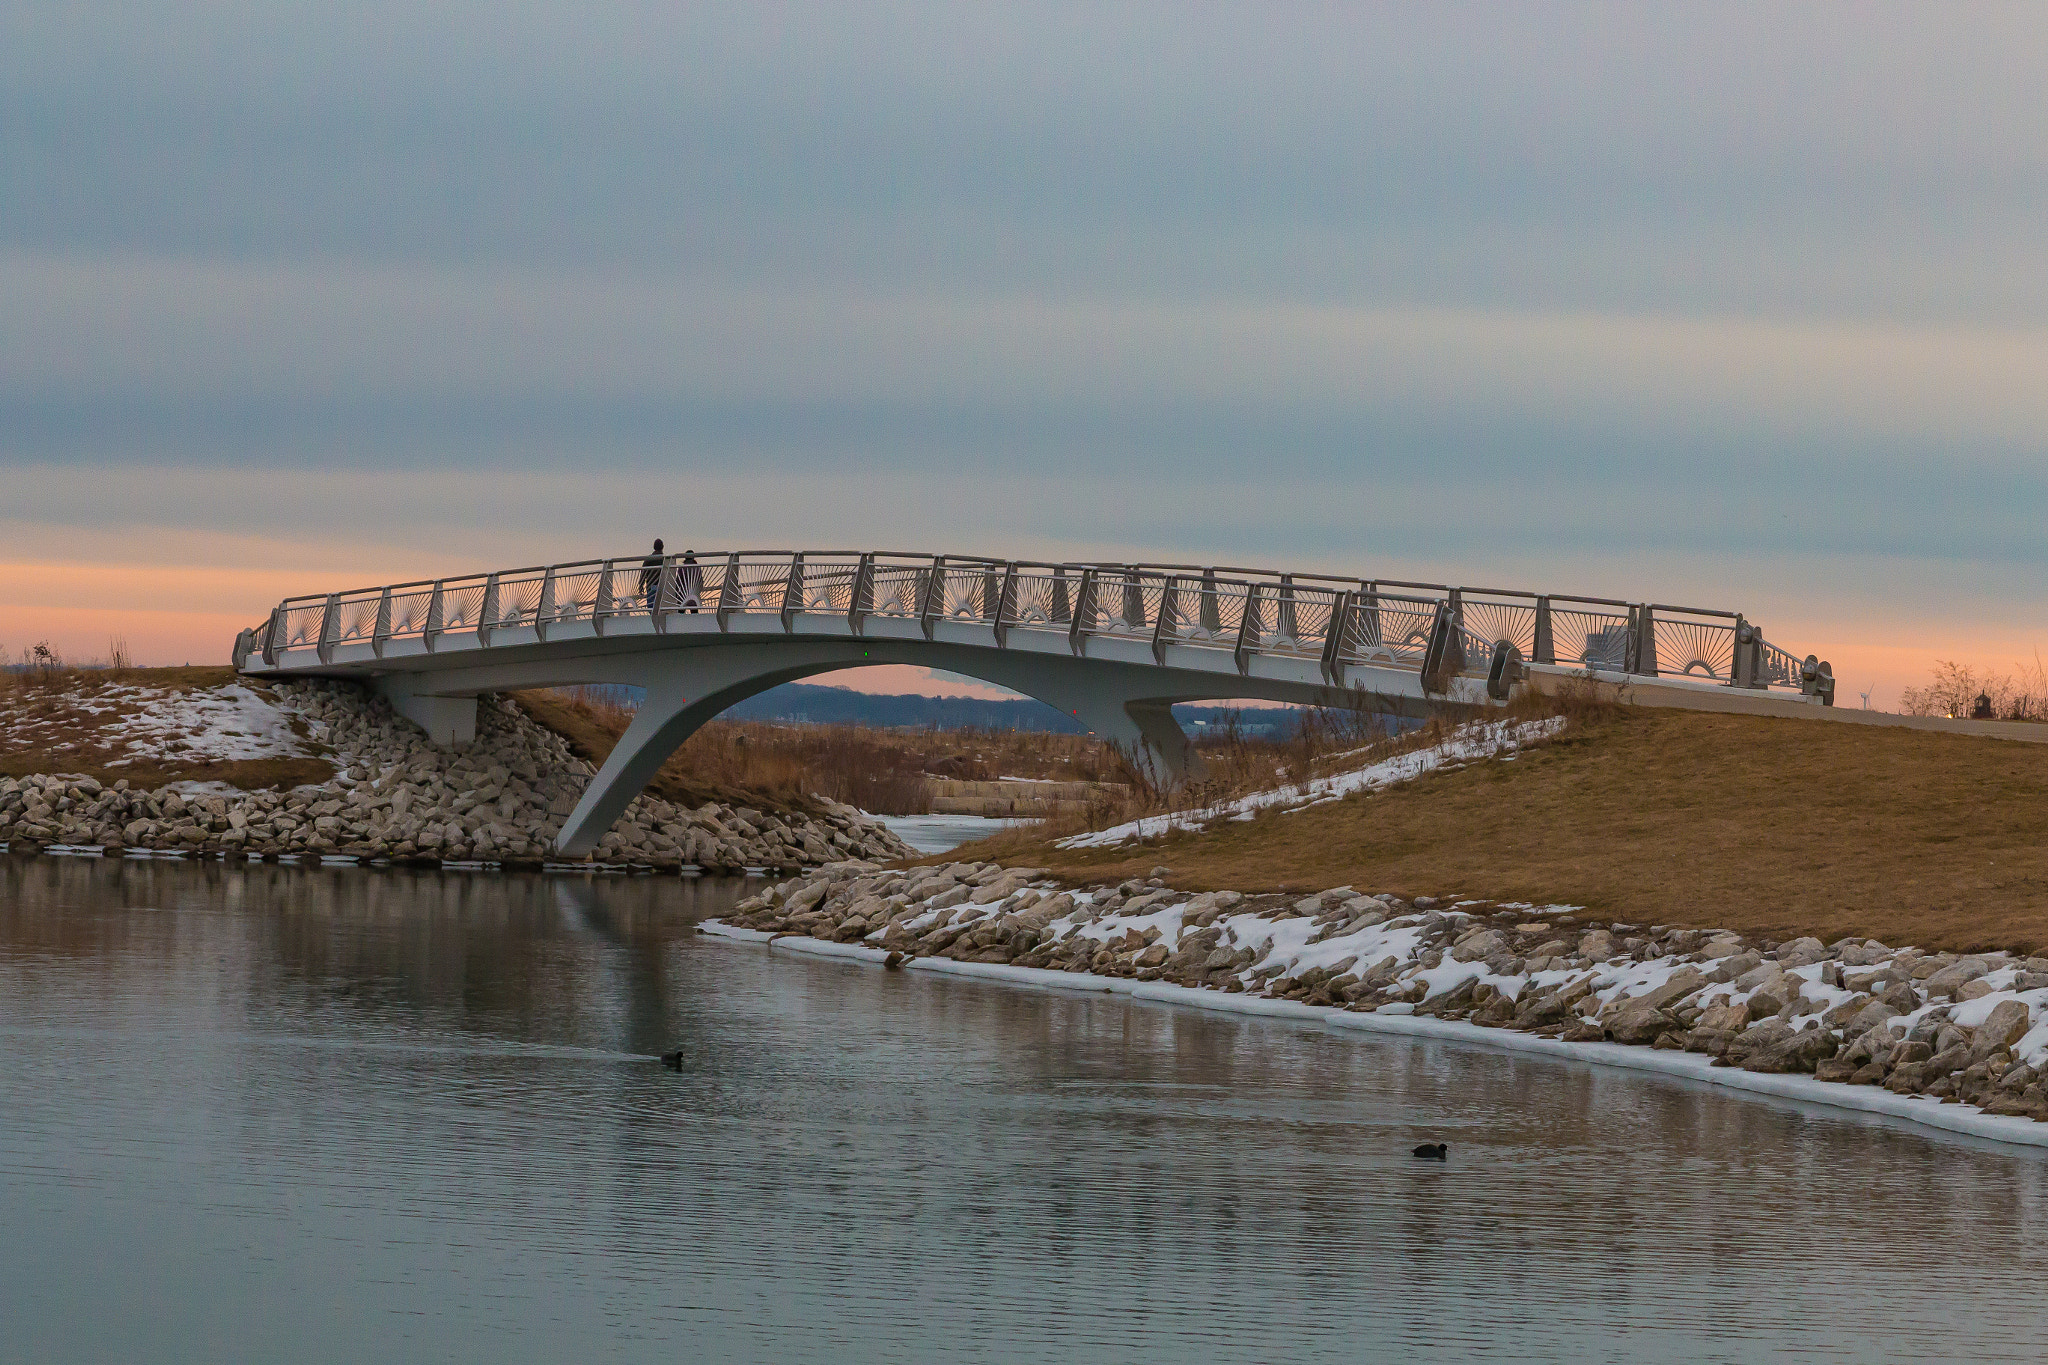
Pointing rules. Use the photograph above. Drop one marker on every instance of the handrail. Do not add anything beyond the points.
(1436, 629)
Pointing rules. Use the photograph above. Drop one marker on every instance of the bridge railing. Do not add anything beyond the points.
(1433, 628)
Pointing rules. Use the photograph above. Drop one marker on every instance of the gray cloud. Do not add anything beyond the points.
(1600, 292)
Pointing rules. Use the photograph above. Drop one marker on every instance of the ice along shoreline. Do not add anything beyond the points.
(1968, 1057)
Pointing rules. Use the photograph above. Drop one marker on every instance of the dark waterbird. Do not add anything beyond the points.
(1434, 1151)
(673, 1060)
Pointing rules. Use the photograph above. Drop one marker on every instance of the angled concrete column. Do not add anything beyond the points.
(1120, 704)
(664, 720)
(1145, 732)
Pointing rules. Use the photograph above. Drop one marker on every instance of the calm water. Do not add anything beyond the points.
(939, 833)
(341, 1115)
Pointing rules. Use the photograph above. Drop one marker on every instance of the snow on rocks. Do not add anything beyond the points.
(1467, 744)
(394, 795)
(1968, 1030)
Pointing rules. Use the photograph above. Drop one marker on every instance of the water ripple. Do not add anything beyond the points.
(323, 1114)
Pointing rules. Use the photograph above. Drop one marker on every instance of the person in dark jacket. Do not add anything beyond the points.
(690, 583)
(650, 577)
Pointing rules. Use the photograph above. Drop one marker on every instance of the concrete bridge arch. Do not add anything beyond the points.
(1126, 704)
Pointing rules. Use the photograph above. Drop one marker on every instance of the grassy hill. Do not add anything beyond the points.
(1769, 826)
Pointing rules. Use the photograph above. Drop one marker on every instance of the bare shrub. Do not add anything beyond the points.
(1960, 692)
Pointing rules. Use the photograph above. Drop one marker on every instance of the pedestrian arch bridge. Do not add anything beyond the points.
(1113, 645)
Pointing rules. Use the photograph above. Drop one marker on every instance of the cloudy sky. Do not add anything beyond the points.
(1709, 304)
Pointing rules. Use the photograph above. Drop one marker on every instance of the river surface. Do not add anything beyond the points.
(271, 1113)
(942, 833)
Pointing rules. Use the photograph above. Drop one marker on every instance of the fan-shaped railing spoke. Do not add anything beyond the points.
(1697, 649)
(1492, 621)
(409, 612)
(1587, 639)
(761, 585)
(358, 618)
(899, 590)
(828, 585)
(302, 625)
(575, 596)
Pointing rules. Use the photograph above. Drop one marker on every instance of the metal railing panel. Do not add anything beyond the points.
(1694, 648)
(828, 585)
(761, 583)
(357, 618)
(518, 601)
(900, 589)
(1391, 629)
(1589, 639)
(963, 593)
(409, 608)
(1126, 603)
(575, 595)
(1779, 668)
(1207, 610)
(302, 625)
(617, 586)
(1042, 597)
(1315, 614)
(710, 575)
(462, 604)
(1491, 620)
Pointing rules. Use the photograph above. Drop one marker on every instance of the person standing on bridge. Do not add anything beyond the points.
(650, 578)
(691, 588)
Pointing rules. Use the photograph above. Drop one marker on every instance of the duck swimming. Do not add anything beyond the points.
(1434, 1151)
(673, 1060)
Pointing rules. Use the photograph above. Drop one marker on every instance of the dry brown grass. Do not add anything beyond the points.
(1771, 827)
(56, 720)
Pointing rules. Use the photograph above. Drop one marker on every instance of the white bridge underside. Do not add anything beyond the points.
(692, 669)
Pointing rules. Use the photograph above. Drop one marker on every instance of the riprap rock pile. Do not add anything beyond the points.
(394, 795)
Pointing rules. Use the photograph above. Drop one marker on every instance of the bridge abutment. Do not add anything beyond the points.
(450, 722)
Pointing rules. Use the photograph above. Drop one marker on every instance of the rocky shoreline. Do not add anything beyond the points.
(1968, 1032)
(394, 796)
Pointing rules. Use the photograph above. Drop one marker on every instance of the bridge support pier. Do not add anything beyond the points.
(664, 720)
(1143, 730)
(450, 722)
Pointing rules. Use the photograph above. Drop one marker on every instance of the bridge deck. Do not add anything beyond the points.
(1292, 629)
